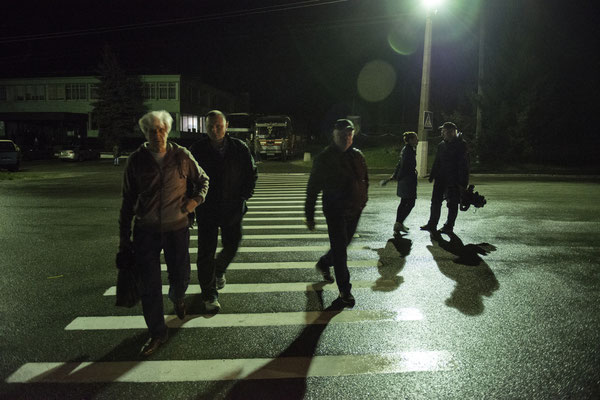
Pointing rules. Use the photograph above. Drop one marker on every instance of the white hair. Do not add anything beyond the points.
(163, 116)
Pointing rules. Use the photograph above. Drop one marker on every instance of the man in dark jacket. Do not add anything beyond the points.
(162, 184)
(229, 164)
(340, 171)
(451, 174)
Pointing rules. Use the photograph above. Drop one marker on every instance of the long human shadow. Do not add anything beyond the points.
(293, 362)
(77, 377)
(474, 278)
(392, 259)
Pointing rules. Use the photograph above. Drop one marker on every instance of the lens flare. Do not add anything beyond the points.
(376, 81)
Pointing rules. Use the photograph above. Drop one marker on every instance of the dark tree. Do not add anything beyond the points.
(120, 101)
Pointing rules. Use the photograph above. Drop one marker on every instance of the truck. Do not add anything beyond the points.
(241, 126)
(277, 138)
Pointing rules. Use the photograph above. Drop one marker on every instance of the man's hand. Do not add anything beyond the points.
(310, 225)
(188, 206)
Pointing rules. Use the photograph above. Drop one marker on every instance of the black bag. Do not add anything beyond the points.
(127, 282)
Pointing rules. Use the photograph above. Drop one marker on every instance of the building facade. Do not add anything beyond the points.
(55, 111)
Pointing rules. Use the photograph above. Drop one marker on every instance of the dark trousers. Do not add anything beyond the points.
(404, 208)
(148, 246)
(442, 192)
(341, 229)
(208, 266)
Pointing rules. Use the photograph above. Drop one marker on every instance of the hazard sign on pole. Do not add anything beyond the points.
(428, 120)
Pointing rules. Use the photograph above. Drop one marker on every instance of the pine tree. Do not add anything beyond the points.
(120, 101)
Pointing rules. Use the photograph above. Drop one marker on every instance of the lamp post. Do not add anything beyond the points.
(423, 147)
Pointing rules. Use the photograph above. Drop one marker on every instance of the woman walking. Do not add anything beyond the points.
(406, 175)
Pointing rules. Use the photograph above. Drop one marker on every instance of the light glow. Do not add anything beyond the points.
(432, 5)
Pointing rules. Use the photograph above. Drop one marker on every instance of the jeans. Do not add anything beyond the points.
(452, 196)
(341, 229)
(147, 246)
(208, 266)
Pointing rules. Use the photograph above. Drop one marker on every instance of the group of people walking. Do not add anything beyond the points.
(167, 188)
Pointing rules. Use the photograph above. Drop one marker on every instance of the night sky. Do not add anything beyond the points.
(315, 60)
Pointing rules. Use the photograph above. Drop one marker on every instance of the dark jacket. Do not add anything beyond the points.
(343, 178)
(406, 173)
(451, 165)
(156, 195)
(232, 179)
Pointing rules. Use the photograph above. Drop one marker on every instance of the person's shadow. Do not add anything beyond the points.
(474, 278)
(285, 376)
(392, 259)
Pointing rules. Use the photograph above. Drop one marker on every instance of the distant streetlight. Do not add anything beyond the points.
(423, 147)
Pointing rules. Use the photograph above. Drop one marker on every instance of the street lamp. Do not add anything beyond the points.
(423, 147)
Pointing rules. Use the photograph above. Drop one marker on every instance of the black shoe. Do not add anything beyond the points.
(325, 272)
(179, 308)
(447, 230)
(152, 345)
(347, 299)
(428, 227)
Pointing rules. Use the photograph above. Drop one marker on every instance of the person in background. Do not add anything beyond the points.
(450, 172)
(406, 175)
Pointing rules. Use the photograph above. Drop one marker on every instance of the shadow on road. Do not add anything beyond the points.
(473, 276)
(292, 365)
(391, 261)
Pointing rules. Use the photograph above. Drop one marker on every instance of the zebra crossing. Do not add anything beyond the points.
(275, 239)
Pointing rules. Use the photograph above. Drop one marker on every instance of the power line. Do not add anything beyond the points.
(171, 22)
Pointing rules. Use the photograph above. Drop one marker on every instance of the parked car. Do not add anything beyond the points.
(79, 153)
(10, 155)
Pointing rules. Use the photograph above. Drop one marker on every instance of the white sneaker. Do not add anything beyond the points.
(212, 306)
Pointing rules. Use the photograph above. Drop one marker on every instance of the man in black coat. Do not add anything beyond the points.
(451, 174)
(340, 171)
(230, 166)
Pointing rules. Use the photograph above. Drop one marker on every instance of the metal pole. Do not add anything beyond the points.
(479, 81)
(423, 147)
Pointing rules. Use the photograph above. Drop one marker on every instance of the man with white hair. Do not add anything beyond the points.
(162, 184)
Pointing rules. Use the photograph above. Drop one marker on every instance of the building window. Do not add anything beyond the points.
(149, 91)
(172, 91)
(56, 92)
(189, 123)
(94, 91)
(3, 94)
(75, 91)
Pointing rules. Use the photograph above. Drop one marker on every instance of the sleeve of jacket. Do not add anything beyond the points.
(313, 188)
(436, 164)
(365, 172)
(396, 175)
(251, 172)
(198, 180)
(129, 194)
(463, 166)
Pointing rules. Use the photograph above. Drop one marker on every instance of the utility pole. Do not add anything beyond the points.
(423, 147)
(479, 81)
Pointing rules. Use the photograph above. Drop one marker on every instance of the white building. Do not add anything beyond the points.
(52, 111)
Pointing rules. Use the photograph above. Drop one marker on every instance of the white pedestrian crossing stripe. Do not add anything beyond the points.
(265, 287)
(233, 369)
(284, 265)
(283, 249)
(246, 320)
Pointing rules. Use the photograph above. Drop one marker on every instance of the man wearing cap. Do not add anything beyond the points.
(340, 171)
(451, 174)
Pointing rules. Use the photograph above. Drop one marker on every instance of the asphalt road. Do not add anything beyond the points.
(506, 309)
